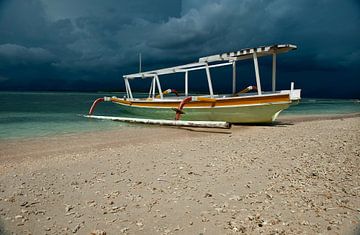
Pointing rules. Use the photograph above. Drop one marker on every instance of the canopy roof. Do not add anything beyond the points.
(228, 58)
(248, 53)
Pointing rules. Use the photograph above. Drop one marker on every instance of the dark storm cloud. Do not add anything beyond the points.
(11, 54)
(82, 40)
(326, 31)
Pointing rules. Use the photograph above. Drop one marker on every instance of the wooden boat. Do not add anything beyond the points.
(250, 105)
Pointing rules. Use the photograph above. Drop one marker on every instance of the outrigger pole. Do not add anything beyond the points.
(209, 124)
(176, 122)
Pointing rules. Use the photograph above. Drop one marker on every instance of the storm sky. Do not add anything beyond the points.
(87, 45)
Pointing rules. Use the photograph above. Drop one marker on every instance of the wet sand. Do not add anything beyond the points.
(298, 176)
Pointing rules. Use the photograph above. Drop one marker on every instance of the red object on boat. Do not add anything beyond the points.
(94, 104)
(181, 106)
(175, 92)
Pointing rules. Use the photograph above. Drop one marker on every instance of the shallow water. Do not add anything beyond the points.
(32, 114)
(323, 107)
(26, 114)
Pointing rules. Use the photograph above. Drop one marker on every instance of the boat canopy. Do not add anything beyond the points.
(248, 53)
(213, 61)
(228, 58)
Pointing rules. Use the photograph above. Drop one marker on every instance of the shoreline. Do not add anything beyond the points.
(305, 118)
(290, 177)
(278, 121)
(133, 131)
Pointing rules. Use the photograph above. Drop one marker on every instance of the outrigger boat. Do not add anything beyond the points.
(250, 105)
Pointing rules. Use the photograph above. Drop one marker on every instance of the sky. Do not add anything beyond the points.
(87, 45)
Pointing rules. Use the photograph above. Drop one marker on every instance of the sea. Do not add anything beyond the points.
(41, 114)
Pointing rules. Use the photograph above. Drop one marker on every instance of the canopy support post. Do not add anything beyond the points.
(257, 74)
(274, 73)
(234, 77)
(151, 87)
(186, 83)
(158, 86)
(209, 80)
(128, 89)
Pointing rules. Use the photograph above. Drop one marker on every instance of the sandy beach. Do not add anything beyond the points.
(295, 177)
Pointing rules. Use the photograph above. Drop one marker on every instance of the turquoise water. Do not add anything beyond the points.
(28, 114)
(323, 107)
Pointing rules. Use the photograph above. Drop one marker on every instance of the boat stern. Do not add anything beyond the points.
(294, 94)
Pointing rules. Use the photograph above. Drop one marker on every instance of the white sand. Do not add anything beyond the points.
(295, 177)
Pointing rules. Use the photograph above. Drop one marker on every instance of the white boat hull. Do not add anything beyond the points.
(259, 113)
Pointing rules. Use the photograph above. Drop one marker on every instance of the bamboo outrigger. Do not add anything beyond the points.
(250, 105)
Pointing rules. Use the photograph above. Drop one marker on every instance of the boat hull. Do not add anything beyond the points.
(263, 113)
(234, 110)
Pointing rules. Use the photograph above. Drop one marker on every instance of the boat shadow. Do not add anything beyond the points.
(273, 124)
(229, 131)
(206, 130)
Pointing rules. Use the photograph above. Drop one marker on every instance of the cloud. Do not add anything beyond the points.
(23, 22)
(102, 35)
(2, 79)
(85, 39)
(326, 31)
(15, 55)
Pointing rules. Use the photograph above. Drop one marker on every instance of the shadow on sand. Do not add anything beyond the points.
(236, 125)
(274, 124)
(206, 130)
(2, 229)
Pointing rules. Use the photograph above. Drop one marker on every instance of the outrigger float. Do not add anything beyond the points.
(250, 105)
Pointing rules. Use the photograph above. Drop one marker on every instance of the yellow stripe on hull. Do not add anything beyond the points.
(207, 102)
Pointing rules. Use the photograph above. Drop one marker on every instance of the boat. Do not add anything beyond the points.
(251, 104)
